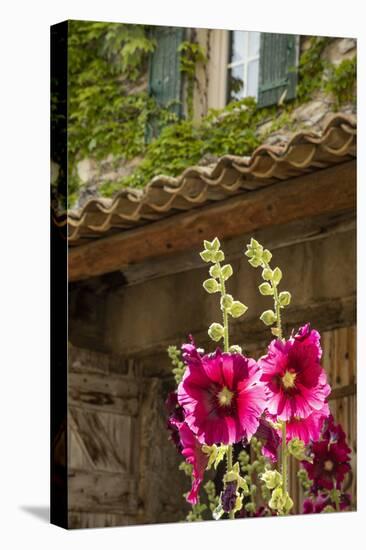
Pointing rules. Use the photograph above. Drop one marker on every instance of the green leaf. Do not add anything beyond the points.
(215, 271)
(267, 274)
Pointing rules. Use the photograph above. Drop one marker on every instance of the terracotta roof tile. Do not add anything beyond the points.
(197, 186)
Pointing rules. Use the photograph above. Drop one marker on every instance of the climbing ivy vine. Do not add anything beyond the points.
(109, 107)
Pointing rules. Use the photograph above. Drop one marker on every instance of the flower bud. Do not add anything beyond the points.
(215, 271)
(237, 309)
(249, 507)
(296, 447)
(267, 256)
(211, 286)
(216, 332)
(255, 261)
(207, 256)
(268, 317)
(267, 274)
(226, 301)
(284, 298)
(265, 289)
(226, 271)
(278, 499)
(277, 275)
(271, 478)
(235, 349)
(219, 256)
(213, 245)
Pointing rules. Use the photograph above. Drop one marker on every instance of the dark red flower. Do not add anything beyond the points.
(331, 460)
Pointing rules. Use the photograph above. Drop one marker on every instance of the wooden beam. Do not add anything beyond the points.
(325, 191)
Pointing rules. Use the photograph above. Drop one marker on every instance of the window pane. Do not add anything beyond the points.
(254, 40)
(236, 83)
(252, 84)
(238, 46)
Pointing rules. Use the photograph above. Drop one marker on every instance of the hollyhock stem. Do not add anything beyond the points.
(278, 311)
(284, 458)
(225, 313)
(229, 457)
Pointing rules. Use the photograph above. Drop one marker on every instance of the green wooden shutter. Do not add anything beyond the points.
(165, 82)
(277, 68)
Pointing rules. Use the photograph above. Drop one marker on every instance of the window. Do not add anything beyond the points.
(263, 66)
(244, 65)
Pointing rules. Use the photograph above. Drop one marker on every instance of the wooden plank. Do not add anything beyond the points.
(104, 393)
(328, 190)
(102, 492)
(299, 231)
(98, 444)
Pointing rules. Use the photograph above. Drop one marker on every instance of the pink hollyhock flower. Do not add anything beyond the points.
(221, 395)
(194, 455)
(295, 382)
(330, 463)
(307, 429)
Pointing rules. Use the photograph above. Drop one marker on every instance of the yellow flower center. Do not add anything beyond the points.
(225, 396)
(288, 379)
(328, 465)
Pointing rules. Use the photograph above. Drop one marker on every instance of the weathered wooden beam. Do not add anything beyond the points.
(325, 191)
(299, 231)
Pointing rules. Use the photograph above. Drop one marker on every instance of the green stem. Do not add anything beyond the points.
(225, 317)
(284, 458)
(277, 310)
(229, 458)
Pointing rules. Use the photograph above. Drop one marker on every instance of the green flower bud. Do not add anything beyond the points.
(235, 349)
(296, 447)
(211, 286)
(226, 271)
(249, 253)
(265, 289)
(284, 298)
(288, 504)
(215, 271)
(213, 245)
(267, 274)
(226, 301)
(255, 261)
(216, 332)
(276, 332)
(277, 275)
(256, 246)
(271, 479)
(267, 256)
(237, 309)
(278, 499)
(219, 256)
(268, 317)
(207, 256)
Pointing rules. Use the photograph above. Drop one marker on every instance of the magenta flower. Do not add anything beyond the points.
(295, 382)
(221, 395)
(307, 429)
(331, 462)
(194, 455)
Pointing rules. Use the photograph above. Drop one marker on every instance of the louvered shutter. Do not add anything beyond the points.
(165, 82)
(277, 68)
